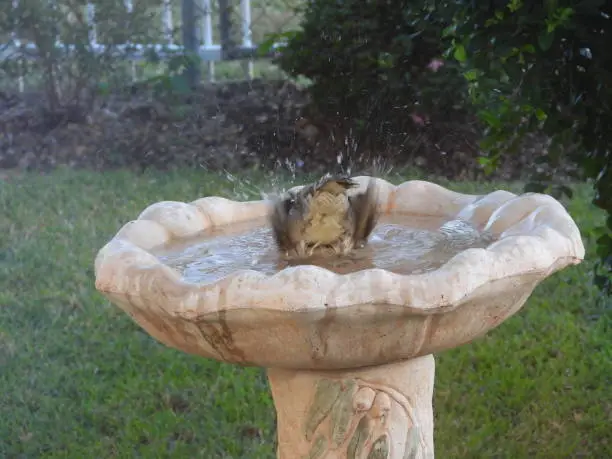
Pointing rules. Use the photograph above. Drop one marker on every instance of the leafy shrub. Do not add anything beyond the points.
(62, 56)
(371, 62)
(544, 66)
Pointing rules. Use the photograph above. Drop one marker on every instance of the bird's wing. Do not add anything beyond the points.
(279, 223)
(364, 207)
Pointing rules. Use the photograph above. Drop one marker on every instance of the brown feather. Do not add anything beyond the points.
(281, 226)
(364, 207)
(322, 215)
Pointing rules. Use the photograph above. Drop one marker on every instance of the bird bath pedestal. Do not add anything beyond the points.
(349, 357)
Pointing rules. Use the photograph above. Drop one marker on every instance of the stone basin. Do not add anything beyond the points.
(348, 344)
(307, 317)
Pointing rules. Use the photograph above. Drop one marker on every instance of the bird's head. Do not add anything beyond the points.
(296, 204)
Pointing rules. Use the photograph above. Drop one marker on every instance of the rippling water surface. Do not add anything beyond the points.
(403, 245)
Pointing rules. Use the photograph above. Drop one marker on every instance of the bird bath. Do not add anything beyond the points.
(348, 345)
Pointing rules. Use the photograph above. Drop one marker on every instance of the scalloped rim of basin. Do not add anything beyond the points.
(535, 236)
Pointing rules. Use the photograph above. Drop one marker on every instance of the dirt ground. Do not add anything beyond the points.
(228, 126)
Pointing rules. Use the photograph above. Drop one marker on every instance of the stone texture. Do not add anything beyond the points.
(306, 317)
(383, 411)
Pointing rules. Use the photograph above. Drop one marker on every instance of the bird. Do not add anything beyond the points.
(323, 218)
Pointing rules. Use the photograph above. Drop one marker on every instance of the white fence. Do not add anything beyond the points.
(202, 34)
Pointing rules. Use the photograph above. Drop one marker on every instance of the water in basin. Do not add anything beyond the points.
(401, 244)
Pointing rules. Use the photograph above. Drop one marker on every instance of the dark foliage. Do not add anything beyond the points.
(546, 66)
(370, 64)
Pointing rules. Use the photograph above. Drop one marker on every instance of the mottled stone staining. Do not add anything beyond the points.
(358, 414)
(220, 337)
(358, 440)
(342, 414)
(326, 394)
(412, 443)
(214, 338)
(318, 448)
(380, 448)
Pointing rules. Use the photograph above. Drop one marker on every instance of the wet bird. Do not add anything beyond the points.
(323, 217)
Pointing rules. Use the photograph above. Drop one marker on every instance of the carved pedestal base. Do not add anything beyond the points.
(382, 412)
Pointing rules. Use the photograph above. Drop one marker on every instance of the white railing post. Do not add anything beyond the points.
(167, 21)
(247, 41)
(167, 28)
(207, 33)
(91, 23)
(17, 43)
(129, 6)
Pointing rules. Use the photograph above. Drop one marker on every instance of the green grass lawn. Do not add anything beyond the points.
(78, 379)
